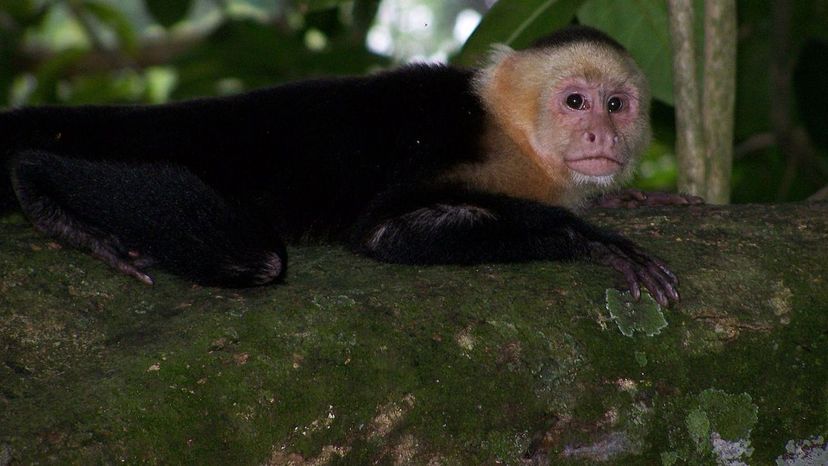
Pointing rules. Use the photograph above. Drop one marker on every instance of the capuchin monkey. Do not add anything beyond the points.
(422, 165)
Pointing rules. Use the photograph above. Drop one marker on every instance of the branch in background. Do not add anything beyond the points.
(800, 145)
(781, 74)
(689, 137)
(153, 52)
(754, 143)
(820, 195)
(94, 37)
(719, 96)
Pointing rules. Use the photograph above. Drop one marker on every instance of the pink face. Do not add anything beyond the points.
(596, 116)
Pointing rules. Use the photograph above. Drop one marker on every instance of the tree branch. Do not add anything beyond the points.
(689, 137)
(719, 96)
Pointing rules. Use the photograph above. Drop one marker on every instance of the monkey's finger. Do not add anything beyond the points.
(633, 286)
(646, 270)
(637, 194)
(664, 269)
(144, 278)
(647, 259)
(134, 272)
(662, 199)
(624, 265)
(628, 198)
(652, 284)
(610, 203)
(664, 281)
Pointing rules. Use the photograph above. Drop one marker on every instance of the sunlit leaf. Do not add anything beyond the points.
(516, 23)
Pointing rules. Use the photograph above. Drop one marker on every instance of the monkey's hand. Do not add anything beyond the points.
(455, 227)
(128, 262)
(632, 198)
(638, 268)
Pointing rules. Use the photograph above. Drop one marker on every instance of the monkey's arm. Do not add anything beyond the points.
(632, 198)
(455, 227)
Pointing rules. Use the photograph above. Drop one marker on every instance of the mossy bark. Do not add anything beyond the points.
(355, 362)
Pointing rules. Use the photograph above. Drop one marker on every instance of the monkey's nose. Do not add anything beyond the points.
(606, 139)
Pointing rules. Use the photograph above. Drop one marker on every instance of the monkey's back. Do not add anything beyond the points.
(314, 152)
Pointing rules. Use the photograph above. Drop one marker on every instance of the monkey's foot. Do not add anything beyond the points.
(128, 262)
(632, 198)
(638, 268)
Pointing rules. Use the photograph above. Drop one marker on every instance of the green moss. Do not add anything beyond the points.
(355, 362)
(698, 426)
(641, 358)
(732, 416)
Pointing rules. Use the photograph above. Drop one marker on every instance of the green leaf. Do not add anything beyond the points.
(117, 20)
(168, 12)
(645, 32)
(516, 23)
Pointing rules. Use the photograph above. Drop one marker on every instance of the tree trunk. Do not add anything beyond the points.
(692, 173)
(719, 96)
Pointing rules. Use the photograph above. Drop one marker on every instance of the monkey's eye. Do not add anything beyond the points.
(614, 104)
(575, 101)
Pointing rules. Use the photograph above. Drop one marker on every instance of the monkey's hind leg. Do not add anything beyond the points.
(136, 216)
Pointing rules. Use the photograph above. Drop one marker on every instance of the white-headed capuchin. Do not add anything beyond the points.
(422, 165)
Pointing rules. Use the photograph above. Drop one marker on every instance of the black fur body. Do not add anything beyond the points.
(312, 153)
(209, 189)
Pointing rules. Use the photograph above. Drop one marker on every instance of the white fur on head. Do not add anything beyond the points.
(516, 88)
(483, 78)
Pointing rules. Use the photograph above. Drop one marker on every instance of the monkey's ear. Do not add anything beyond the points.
(498, 52)
(510, 89)
(499, 55)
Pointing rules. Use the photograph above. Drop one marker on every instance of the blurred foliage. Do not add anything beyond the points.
(153, 51)
(517, 24)
(148, 51)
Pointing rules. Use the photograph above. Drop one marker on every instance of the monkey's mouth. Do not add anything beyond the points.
(594, 165)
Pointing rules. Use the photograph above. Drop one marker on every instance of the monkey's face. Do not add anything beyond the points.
(592, 118)
(593, 126)
(578, 112)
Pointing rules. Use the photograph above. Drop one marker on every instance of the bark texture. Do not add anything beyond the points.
(690, 153)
